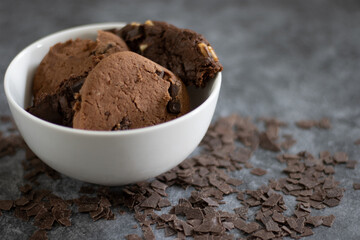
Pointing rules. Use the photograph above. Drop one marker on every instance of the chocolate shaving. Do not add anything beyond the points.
(39, 235)
(340, 157)
(328, 220)
(44, 219)
(6, 204)
(133, 237)
(242, 212)
(152, 201)
(323, 123)
(258, 172)
(267, 143)
(351, 164)
(265, 235)
(272, 200)
(306, 124)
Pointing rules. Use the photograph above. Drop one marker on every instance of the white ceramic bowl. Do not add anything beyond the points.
(103, 157)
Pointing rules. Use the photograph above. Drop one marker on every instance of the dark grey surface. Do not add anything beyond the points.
(288, 59)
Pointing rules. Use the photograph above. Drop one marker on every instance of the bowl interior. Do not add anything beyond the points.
(19, 76)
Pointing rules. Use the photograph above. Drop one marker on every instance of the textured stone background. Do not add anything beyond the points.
(287, 59)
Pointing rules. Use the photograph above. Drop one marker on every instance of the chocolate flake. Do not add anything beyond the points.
(194, 213)
(270, 225)
(278, 217)
(331, 202)
(39, 235)
(314, 220)
(44, 219)
(356, 186)
(267, 143)
(234, 181)
(340, 157)
(242, 211)
(210, 225)
(258, 172)
(307, 232)
(169, 232)
(265, 235)
(61, 215)
(251, 227)
(328, 220)
(148, 233)
(272, 200)
(133, 237)
(152, 201)
(6, 204)
(21, 214)
(305, 124)
(351, 164)
(164, 202)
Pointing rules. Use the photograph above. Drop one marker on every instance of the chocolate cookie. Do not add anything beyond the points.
(186, 53)
(62, 72)
(127, 91)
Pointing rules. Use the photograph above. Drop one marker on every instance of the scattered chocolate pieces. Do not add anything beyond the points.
(357, 142)
(227, 146)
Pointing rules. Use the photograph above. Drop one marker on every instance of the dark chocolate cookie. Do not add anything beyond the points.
(186, 53)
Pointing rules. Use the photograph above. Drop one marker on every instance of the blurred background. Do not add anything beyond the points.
(287, 54)
(291, 59)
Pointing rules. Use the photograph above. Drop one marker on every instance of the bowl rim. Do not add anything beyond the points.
(97, 26)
